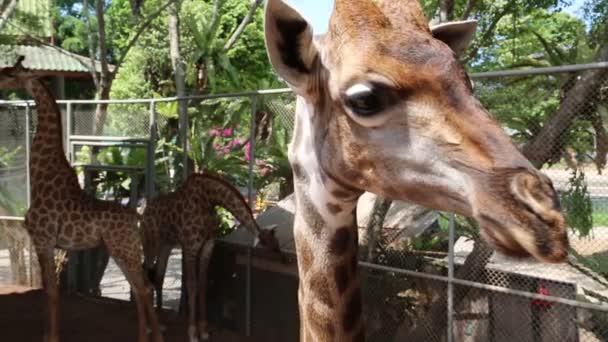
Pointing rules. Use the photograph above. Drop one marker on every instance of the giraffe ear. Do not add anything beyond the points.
(457, 34)
(289, 43)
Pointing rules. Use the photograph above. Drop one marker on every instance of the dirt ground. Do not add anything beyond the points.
(83, 319)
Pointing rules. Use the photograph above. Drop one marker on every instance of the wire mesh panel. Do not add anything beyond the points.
(18, 265)
(112, 120)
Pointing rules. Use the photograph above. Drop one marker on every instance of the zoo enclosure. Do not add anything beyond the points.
(433, 283)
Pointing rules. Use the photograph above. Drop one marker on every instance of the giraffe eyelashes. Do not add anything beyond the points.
(368, 99)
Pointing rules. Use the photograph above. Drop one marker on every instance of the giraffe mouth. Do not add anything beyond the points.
(520, 217)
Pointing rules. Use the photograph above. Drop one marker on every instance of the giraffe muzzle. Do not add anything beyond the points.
(525, 219)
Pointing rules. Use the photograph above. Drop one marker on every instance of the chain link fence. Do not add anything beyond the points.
(555, 116)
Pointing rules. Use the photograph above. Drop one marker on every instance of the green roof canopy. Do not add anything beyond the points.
(45, 58)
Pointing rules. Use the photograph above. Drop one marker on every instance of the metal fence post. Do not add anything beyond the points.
(68, 132)
(250, 195)
(183, 135)
(28, 115)
(450, 310)
(251, 198)
(150, 169)
(28, 195)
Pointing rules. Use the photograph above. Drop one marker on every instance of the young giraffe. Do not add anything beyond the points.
(188, 217)
(383, 106)
(62, 215)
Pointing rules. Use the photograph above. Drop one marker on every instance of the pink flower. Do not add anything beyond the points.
(248, 151)
(216, 146)
(214, 132)
(226, 150)
(235, 142)
(227, 132)
(264, 171)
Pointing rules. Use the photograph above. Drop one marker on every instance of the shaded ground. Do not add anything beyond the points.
(83, 319)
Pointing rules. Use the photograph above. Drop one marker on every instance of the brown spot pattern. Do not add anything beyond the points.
(320, 288)
(339, 243)
(341, 277)
(334, 208)
(321, 326)
(352, 311)
(305, 256)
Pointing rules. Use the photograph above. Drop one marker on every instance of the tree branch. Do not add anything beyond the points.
(6, 13)
(469, 9)
(138, 33)
(216, 13)
(490, 31)
(101, 41)
(87, 14)
(239, 30)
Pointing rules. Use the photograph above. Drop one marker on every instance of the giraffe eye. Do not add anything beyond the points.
(367, 100)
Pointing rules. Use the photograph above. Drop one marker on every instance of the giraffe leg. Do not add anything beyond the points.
(191, 258)
(145, 311)
(202, 297)
(49, 282)
(128, 256)
(159, 276)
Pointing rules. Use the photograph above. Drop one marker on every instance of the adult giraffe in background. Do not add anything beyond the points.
(62, 215)
(383, 106)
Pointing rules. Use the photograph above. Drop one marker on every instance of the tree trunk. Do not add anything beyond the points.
(582, 96)
(446, 10)
(179, 71)
(375, 225)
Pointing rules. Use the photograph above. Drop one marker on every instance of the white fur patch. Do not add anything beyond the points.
(305, 156)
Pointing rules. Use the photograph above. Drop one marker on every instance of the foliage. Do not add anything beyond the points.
(12, 194)
(7, 157)
(577, 204)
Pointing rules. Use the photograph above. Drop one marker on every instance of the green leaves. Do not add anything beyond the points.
(577, 204)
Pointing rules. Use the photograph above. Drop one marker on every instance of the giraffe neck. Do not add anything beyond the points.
(49, 131)
(326, 237)
(223, 194)
(48, 161)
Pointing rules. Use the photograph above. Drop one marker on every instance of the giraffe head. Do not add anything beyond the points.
(384, 106)
(16, 77)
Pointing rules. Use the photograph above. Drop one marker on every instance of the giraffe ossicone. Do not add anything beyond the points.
(413, 132)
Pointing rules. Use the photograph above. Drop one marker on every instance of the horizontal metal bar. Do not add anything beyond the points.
(103, 138)
(540, 71)
(12, 218)
(106, 144)
(126, 168)
(166, 99)
(228, 95)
